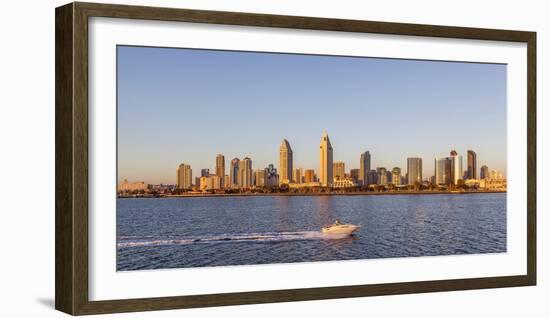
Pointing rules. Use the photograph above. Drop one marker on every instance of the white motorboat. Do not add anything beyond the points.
(340, 228)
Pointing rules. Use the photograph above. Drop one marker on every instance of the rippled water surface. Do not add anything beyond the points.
(218, 231)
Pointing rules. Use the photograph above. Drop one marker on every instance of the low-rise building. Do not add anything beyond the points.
(344, 183)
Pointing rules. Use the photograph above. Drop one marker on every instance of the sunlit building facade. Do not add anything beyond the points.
(285, 163)
(220, 168)
(245, 173)
(184, 176)
(414, 170)
(364, 168)
(325, 161)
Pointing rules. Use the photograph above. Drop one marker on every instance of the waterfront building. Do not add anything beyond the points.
(234, 172)
(414, 170)
(496, 175)
(354, 174)
(381, 175)
(197, 183)
(184, 176)
(205, 172)
(271, 176)
(220, 168)
(484, 173)
(297, 178)
(309, 176)
(245, 173)
(304, 185)
(495, 181)
(442, 167)
(372, 177)
(325, 161)
(259, 178)
(126, 186)
(212, 182)
(364, 168)
(339, 170)
(456, 167)
(285, 163)
(344, 183)
(396, 176)
(472, 165)
(227, 181)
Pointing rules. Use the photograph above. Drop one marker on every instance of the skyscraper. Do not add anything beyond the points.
(285, 162)
(309, 176)
(325, 161)
(484, 172)
(456, 167)
(414, 170)
(184, 176)
(354, 174)
(382, 175)
(245, 173)
(234, 172)
(372, 177)
(396, 176)
(205, 172)
(443, 171)
(297, 175)
(259, 178)
(472, 165)
(220, 168)
(271, 176)
(339, 170)
(364, 168)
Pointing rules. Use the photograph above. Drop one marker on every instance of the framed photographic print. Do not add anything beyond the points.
(211, 158)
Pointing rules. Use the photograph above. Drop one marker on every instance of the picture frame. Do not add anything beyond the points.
(72, 267)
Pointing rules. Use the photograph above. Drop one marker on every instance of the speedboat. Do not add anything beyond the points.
(340, 228)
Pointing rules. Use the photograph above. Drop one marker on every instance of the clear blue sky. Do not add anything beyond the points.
(184, 105)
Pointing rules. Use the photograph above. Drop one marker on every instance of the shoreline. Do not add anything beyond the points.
(207, 195)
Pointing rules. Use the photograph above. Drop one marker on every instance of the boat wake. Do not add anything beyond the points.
(136, 241)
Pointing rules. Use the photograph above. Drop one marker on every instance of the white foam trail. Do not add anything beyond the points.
(249, 237)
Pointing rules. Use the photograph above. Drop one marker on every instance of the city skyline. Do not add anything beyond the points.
(447, 169)
(160, 121)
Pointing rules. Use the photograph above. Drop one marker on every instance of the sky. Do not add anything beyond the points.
(187, 105)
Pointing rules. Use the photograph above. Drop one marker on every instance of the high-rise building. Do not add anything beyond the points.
(297, 177)
(325, 161)
(414, 170)
(396, 176)
(442, 169)
(456, 167)
(339, 170)
(382, 175)
(227, 181)
(245, 173)
(184, 176)
(472, 165)
(220, 168)
(197, 182)
(285, 162)
(364, 167)
(372, 177)
(234, 172)
(205, 172)
(309, 176)
(355, 175)
(210, 183)
(259, 178)
(271, 176)
(484, 173)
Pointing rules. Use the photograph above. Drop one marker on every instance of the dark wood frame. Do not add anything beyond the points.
(71, 157)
